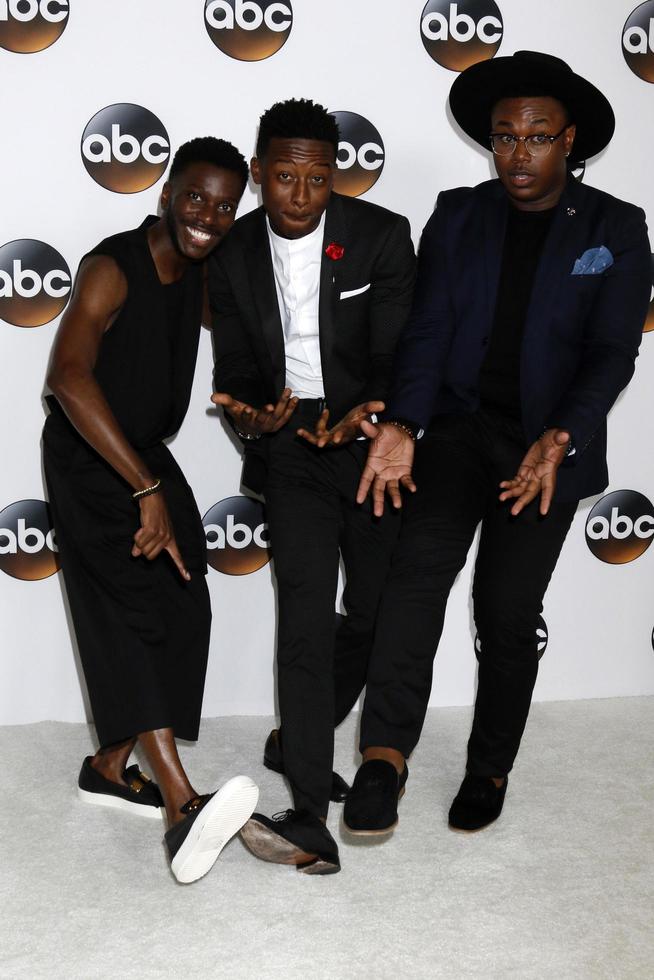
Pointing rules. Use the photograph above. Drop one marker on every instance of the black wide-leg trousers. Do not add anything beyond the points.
(459, 466)
(313, 520)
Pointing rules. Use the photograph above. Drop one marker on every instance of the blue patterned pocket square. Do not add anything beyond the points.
(593, 262)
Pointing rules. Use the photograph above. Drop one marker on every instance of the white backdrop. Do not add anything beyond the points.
(365, 57)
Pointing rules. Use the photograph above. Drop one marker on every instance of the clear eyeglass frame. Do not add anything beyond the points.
(538, 145)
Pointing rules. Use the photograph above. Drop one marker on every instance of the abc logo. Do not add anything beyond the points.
(649, 321)
(125, 148)
(638, 41)
(360, 158)
(27, 546)
(237, 536)
(27, 26)
(34, 283)
(542, 637)
(248, 30)
(620, 527)
(458, 35)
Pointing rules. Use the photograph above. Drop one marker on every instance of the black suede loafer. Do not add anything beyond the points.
(273, 758)
(371, 806)
(478, 803)
(210, 821)
(293, 837)
(139, 796)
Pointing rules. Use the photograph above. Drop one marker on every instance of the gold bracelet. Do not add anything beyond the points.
(147, 490)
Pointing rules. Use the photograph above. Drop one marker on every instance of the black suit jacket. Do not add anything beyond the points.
(365, 298)
(581, 334)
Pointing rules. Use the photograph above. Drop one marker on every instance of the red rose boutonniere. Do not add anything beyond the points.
(335, 251)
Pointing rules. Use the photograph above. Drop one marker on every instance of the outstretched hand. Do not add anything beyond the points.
(537, 472)
(156, 533)
(348, 429)
(390, 458)
(257, 421)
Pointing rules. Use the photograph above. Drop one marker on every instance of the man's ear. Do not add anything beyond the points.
(164, 200)
(255, 170)
(569, 137)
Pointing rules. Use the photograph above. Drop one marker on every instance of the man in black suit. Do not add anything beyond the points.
(531, 295)
(309, 300)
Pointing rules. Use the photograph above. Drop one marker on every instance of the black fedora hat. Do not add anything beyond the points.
(478, 88)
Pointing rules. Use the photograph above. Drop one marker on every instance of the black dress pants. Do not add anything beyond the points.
(313, 520)
(459, 466)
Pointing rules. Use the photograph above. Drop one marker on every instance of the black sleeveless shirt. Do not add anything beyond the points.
(145, 367)
(146, 359)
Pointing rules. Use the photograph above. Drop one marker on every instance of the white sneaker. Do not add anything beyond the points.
(210, 822)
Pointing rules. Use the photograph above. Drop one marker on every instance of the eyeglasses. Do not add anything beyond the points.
(539, 145)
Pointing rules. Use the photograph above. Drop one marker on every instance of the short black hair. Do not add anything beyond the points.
(208, 149)
(299, 118)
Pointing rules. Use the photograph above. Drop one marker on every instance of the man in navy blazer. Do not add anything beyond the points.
(531, 296)
(308, 305)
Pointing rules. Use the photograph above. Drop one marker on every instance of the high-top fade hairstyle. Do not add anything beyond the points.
(208, 149)
(299, 119)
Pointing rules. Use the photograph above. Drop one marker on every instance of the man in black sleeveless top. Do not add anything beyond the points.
(531, 296)
(129, 532)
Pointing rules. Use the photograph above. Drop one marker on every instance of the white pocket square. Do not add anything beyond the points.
(354, 292)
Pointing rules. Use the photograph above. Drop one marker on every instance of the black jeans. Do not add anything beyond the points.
(313, 521)
(459, 466)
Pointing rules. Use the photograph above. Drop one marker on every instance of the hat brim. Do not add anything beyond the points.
(478, 88)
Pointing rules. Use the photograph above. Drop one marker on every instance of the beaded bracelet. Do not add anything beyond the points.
(403, 427)
(147, 490)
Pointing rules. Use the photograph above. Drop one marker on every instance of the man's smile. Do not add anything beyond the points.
(198, 235)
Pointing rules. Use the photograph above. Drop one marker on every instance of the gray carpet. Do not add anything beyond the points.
(561, 887)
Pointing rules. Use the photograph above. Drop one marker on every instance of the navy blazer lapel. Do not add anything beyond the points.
(335, 232)
(264, 292)
(495, 215)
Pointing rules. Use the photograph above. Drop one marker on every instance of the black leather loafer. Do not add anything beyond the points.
(273, 758)
(293, 837)
(478, 803)
(139, 795)
(371, 806)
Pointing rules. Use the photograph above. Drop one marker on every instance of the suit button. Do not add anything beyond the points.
(484, 341)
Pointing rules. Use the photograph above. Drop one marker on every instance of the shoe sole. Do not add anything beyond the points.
(218, 821)
(377, 831)
(319, 867)
(472, 830)
(382, 832)
(269, 846)
(118, 803)
(265, 844)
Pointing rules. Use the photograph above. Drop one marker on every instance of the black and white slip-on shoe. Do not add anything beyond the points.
(209, 822)
(140, 796)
